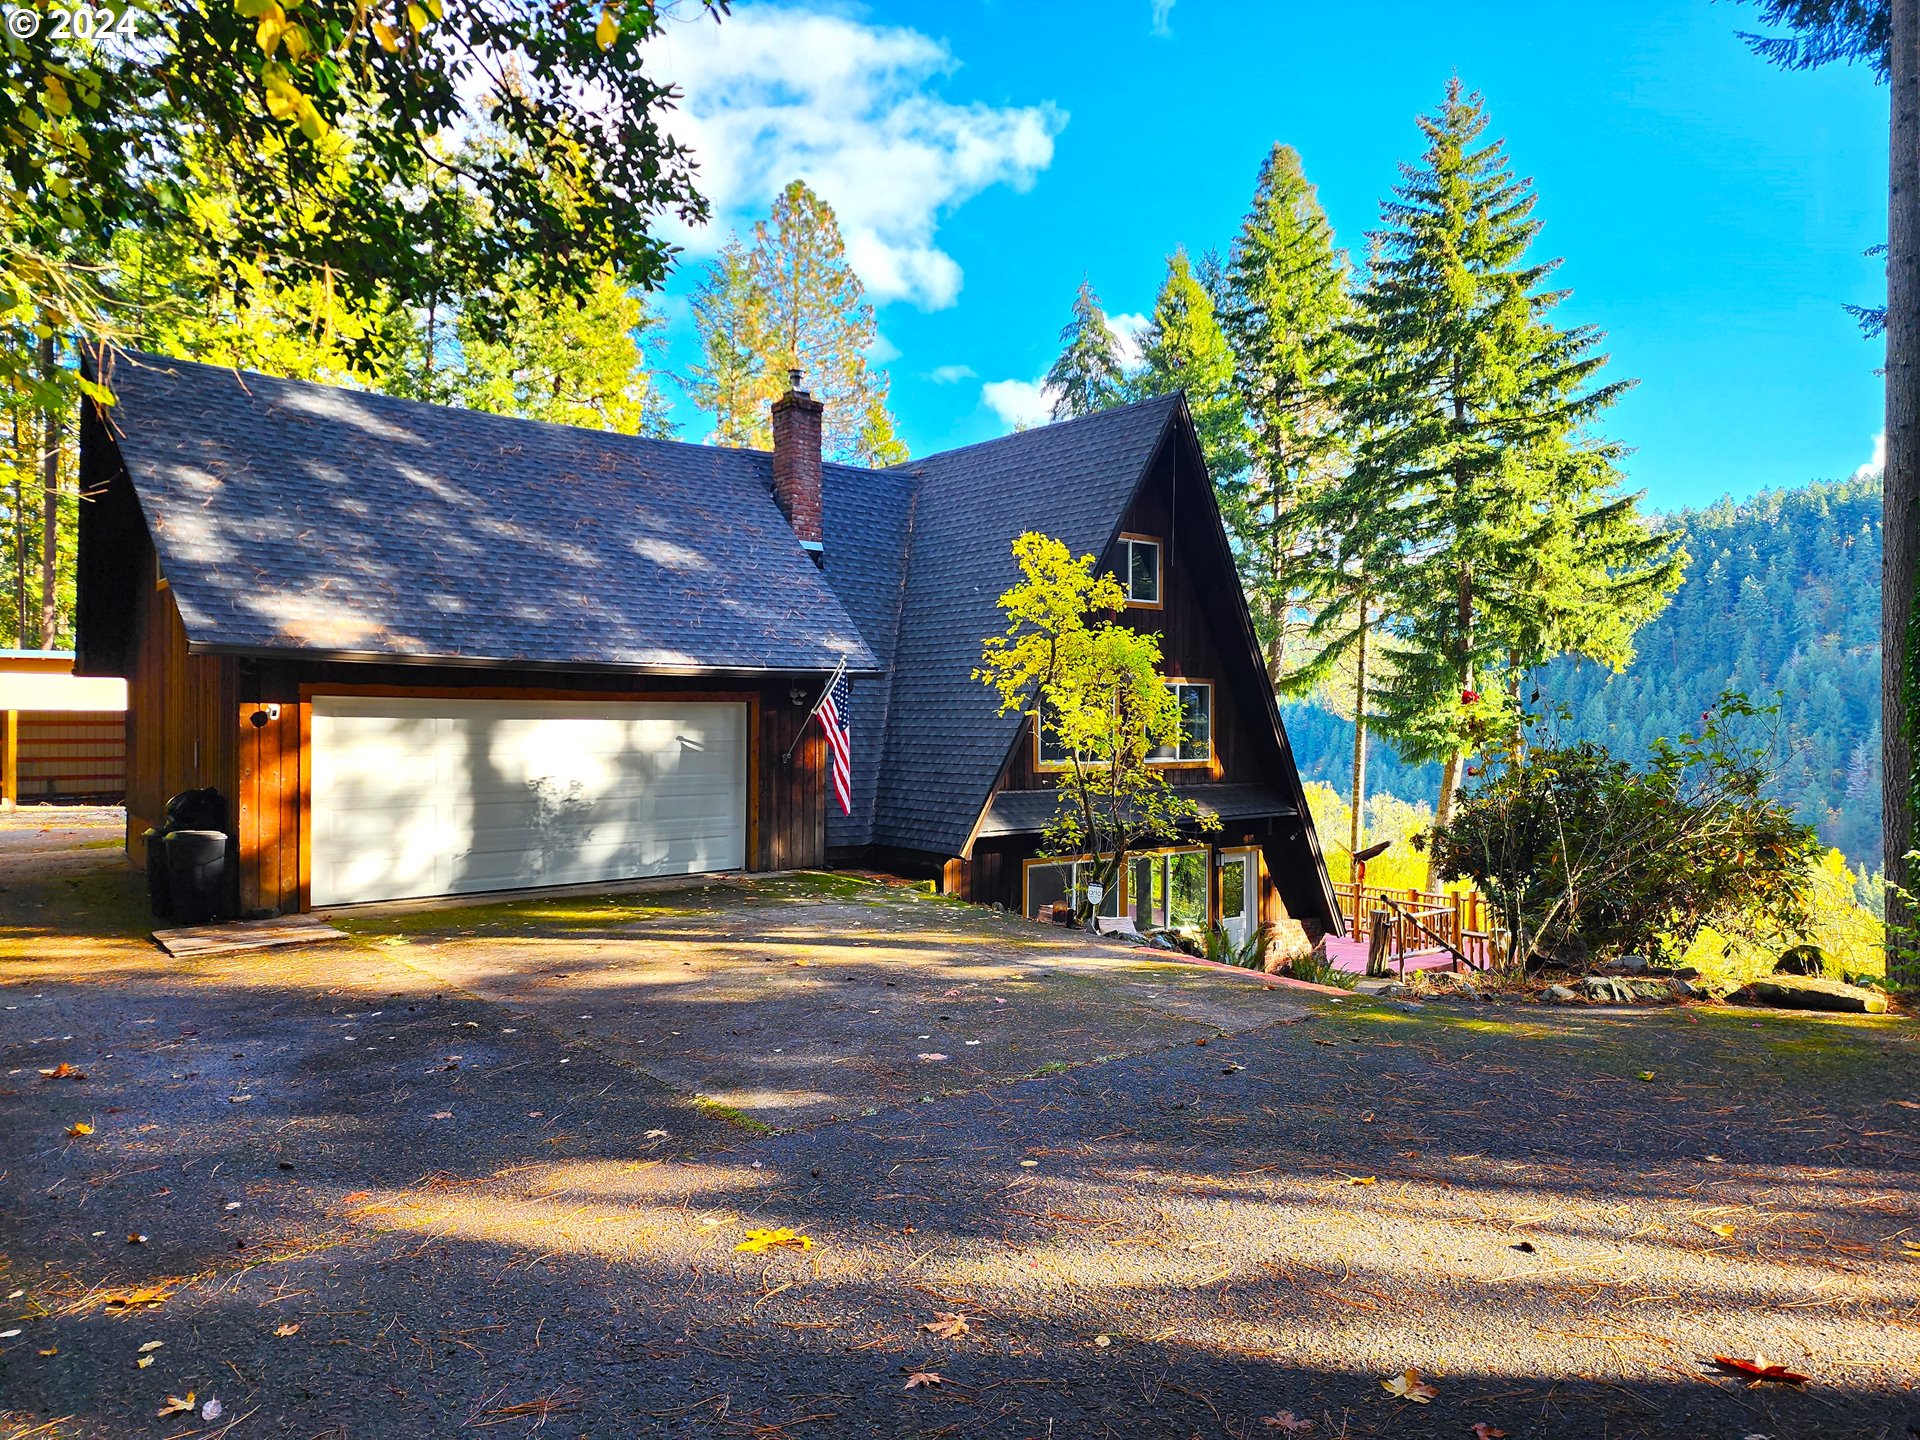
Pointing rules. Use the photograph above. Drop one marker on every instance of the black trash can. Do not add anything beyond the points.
(197, 873)
(159, 888)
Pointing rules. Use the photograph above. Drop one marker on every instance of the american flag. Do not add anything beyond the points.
(833, 715)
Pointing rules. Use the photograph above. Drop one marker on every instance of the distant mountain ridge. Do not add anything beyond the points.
(1782, 593)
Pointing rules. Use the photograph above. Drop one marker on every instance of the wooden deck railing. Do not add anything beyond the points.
(1425, 920)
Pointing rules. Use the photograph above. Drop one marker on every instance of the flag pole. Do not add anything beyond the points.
(800, 734)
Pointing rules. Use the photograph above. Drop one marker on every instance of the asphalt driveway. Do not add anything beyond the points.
(488, 1169)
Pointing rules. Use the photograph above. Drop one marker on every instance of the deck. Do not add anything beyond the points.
(1350, 955)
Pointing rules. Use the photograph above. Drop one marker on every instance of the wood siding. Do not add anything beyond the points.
(178, 730)
(72, 755)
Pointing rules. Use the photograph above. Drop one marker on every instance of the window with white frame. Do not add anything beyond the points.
(1052, 882)
(1195, 740)
(1138, 569)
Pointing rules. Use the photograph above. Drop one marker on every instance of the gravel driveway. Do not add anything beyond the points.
(455, 1175)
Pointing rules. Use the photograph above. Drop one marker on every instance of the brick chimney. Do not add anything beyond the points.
(796, 462)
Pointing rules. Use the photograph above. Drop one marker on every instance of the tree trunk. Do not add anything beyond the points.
(1276, 593)
(1900, 642)
(1356, 826)
(50, 523)
(1449, 782)
(20, 631)
(1450, 777)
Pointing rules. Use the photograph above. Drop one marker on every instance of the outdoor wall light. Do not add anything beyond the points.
(261, 716)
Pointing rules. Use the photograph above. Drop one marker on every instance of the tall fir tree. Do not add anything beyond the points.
(1514, 541)
(1184, 348)
(815, 318)
(1089, 375)
(1286, 305)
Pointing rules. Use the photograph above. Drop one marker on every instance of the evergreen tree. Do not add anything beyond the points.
(1516, 544)
(730, 380)
(1185, 349)
(1088, 376)
(814, 318)
(791, 302)
(1285, 306)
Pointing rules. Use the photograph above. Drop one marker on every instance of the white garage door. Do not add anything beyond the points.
(441, 797)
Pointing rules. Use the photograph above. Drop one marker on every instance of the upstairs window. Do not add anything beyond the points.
(1195, 742)
(1139, 570)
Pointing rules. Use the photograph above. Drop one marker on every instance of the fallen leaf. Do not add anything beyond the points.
(1409, 1386)
(1484, 1431)
(136, 1239)
(925, 1377)
(947, 1324)
(54, 1351)
(1909, 1104)
(1103, 1341)
(238, 1099)
(64, 1071)
(143, 1362)
(151, 1345)
(79, 1128)
(1362, 1180)
(212, 1410)
(135, 1298)
(291, 1328)
(780, 1239)
(176, 1406)
(929, 1056)
(1910, 1249)
(441, 1115)
(1287, 1423)
(1725, 1232)
(1646, 1074)
(1760, 1370)
(8, 1334)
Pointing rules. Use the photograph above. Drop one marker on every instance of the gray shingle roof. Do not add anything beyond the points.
(298, 517)
(1027, 812)
(944, 738)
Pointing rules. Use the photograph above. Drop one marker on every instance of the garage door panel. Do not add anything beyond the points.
(425, 797)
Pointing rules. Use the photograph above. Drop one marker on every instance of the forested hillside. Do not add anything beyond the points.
(1782, 594)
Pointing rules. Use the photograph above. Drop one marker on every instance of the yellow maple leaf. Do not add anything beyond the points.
(1362, 1180)
(1409, 1386)
(947, 1324)
(780, 1239)
(175, 1405)
(79, 1128)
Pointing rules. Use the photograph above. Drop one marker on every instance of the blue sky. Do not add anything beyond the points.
(985, 154)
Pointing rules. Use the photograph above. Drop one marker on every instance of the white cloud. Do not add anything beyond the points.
(1127, 329)
(882, 349)
(1162, 9)
(1019, 402)
(776, 94)
(1877, 466)
(952, 374)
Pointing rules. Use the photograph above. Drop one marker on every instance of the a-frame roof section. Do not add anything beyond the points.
(945, 738)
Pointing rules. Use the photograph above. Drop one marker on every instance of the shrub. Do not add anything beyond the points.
(1581, 853)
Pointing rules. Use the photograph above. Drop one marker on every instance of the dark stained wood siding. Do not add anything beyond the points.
(178, 735)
